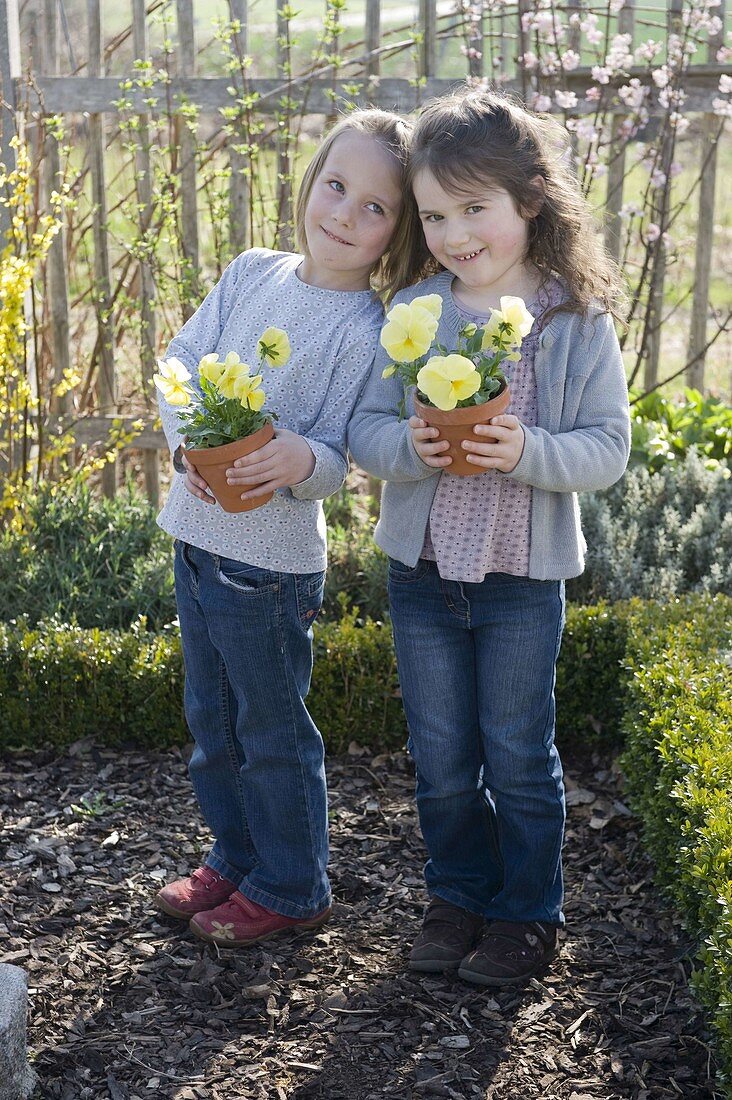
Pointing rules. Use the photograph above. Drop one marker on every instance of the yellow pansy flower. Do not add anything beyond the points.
(388, 371)
(234, 377)
(431, 302)
(447, 379)
(516, 315)
(211, 369)
(408, 332)
(171, 379)
(492, 337)
(274, 347)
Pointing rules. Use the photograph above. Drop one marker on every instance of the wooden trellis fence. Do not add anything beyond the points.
(97, 96)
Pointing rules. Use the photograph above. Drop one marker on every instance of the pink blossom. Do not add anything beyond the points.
(725, 84)
(541, 103)
(661, 76)
(648, 50)
(680, 124)
(658, 178)
(565, 100)
(722, 107)
(570, 60)
(600, 74)
(593, 94)
(529, 60)
(653, 232)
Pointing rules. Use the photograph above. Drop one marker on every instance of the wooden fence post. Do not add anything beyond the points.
(661, 199)
(189, 201)
(284, 164)
(9, 70)
(106, 379)
(239, 185)
(428, 23)
(373, 36)
(616, 161)
(143, 168)
(711, 126)
(58, 294)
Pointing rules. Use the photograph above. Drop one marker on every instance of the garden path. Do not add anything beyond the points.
(127, 1004)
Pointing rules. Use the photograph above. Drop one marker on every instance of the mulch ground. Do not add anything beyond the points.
(127, 1004)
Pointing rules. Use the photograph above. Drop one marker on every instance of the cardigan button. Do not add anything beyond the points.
(547, 340)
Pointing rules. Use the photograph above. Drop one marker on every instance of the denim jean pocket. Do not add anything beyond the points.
(309, 596)
(182, 553)
(407, 574)
(250, 580)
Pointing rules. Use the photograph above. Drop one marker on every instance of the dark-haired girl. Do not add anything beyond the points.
(478, 564)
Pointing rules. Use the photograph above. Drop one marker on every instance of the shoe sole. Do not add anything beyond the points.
(478, 978)
(306, 926)
(432, 966)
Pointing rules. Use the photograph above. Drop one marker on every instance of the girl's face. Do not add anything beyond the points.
(351, 213)
(479, 236)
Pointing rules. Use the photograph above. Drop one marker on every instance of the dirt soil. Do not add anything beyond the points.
(126, 1004)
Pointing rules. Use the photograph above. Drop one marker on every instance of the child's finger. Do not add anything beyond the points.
(203, 494)
(260, 455)
(259, 471)
(265, 487)
(506, 420)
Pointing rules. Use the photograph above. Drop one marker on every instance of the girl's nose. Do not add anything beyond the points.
(456, 235)
(343, 212)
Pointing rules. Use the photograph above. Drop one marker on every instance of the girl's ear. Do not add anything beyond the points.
(532, 208)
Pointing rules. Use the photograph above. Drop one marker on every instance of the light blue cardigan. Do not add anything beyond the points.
(581, 441)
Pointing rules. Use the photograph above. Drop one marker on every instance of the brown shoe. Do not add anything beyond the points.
(448, 933)
(510, 953)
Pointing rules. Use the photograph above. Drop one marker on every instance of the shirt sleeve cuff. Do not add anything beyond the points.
(327, 476)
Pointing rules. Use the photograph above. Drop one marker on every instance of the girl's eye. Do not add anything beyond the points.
(475, 209)
(375, 207)
(433, 218)
(336, 185)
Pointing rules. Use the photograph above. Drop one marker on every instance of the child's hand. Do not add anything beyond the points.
(423, 439)
(285, 460)
(194, 482)
(505, 453)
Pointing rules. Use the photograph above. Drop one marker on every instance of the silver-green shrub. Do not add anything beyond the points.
(658, 535)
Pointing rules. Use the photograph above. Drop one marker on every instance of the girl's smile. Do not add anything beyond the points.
(351, 213)
(479, 236)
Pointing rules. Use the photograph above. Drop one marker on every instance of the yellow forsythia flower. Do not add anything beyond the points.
(274, 347)
(447, 379)
(408, 332)
(171, 380)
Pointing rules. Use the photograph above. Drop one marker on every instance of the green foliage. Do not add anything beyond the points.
(355, 693)
(86, 559)
(665, 430)
(678, 762)
(357, 568)
(59, 683)
(658, 536)
(215, 420)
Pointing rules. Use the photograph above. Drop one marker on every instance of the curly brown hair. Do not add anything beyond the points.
(483, 137)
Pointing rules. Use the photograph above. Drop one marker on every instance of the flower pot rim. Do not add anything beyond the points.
(206, 456)
(468, 414)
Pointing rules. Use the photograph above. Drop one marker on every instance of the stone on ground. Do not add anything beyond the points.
(17, 1080)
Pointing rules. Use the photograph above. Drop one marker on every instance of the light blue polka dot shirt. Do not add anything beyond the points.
(334, 336)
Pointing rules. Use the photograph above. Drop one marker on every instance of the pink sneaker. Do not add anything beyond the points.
(239, 922)
(205, 889)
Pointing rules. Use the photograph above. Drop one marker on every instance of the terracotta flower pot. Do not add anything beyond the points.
(213, 462)
(457, 424)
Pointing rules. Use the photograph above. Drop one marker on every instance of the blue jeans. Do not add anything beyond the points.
(477, 668)
(258, 764)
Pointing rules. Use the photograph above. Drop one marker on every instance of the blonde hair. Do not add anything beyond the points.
(404, 258)
(479, 137)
